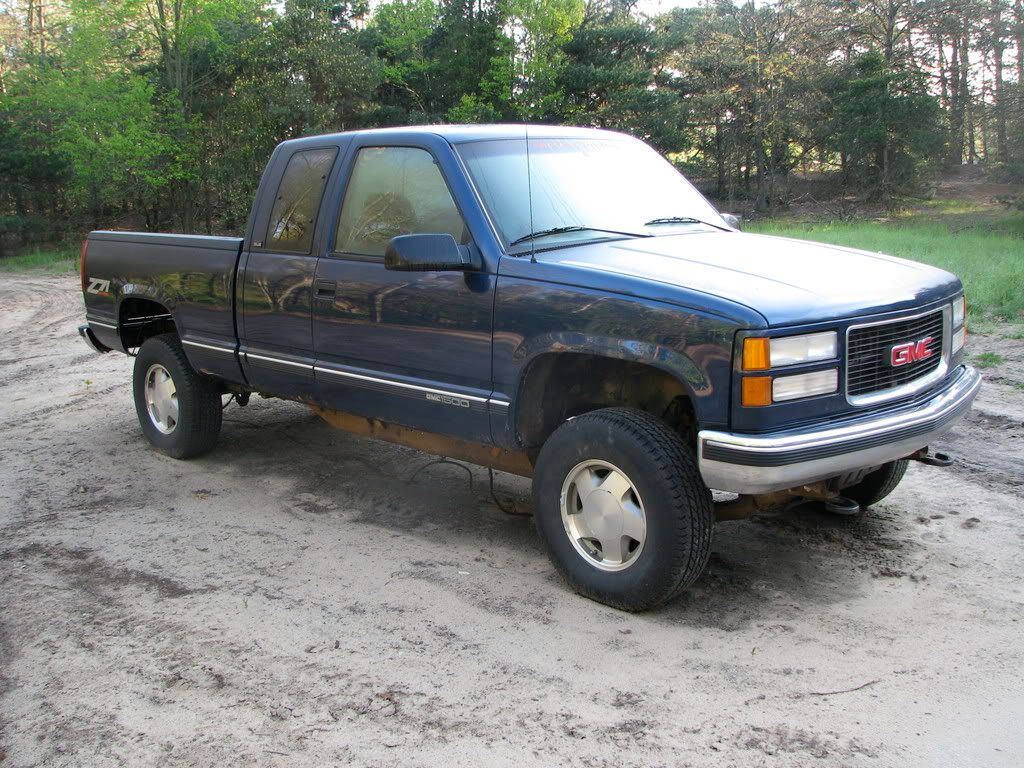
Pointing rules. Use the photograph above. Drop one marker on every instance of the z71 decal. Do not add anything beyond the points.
(99, 287)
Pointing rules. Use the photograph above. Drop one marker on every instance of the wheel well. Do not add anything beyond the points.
(140, 319)
(569, 384)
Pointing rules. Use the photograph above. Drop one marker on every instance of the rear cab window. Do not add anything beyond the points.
(293, 217)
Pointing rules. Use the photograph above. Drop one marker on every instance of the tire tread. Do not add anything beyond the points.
(878, 484)
(690, 499)
(202, 429)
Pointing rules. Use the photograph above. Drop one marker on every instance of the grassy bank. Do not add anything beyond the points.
(51, 261)
(987, 256)
(985, 250)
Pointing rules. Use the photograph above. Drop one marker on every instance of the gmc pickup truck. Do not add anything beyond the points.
(554, 302)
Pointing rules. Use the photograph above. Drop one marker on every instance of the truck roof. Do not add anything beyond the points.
(457, 134)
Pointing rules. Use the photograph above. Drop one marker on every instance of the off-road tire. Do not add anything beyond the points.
(878, 484)
(677, 505)
(199, 400)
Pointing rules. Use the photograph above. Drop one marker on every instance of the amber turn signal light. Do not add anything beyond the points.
(756, 390)
(756, 355)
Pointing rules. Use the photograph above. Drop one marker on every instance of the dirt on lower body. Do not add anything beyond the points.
(301, 596)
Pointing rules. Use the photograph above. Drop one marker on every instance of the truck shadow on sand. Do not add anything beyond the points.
(767, 568)
(769, 565)
(777, 564)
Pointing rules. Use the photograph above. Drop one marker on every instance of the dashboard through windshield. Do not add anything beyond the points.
(567, 191)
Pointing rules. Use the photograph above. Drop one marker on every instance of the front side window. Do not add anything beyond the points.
(395, 191)
(293, 217)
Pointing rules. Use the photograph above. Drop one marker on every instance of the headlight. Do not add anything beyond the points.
(959, 328)
(805, 385)
(959, 311)
(759, 391)
(761, 354)
(959, 339)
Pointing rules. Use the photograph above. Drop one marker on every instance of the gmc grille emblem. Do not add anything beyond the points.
(911, 352)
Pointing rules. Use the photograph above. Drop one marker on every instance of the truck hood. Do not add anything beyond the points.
(787, 281)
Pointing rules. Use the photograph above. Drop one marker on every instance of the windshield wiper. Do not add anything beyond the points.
(573, 228)
(681, 220)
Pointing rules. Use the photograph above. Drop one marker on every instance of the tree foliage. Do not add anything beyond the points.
(162, 113)
(887, 125)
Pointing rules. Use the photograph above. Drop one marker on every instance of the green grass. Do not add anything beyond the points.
(56, 260)
(987, 359)
(984, 248)
(987, 255)
(962, 215)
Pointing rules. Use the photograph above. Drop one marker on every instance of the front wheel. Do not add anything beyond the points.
(878, 484)
(622, 508)
(179, 409)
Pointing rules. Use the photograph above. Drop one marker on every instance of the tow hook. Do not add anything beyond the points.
(925, 456)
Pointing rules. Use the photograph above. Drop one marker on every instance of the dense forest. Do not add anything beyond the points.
(161, 113)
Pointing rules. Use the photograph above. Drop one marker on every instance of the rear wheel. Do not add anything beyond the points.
(622, 509)
(179, 409)
(878, 484)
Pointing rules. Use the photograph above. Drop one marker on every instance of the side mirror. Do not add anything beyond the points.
(732, 220)
(429, 253)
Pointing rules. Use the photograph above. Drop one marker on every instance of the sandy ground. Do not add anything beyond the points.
(301, 596)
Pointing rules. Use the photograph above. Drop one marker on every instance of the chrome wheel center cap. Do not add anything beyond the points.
(603, 515)
(161, 399)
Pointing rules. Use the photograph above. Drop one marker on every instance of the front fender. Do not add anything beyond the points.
(694, 374)
(535, 319)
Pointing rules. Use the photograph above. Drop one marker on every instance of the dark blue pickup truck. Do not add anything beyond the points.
(554, 302)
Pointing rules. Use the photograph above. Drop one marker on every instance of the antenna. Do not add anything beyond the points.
(529, 194)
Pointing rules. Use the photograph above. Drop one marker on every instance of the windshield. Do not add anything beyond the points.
(581, 189)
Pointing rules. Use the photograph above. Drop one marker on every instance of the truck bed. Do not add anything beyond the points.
(193, 276)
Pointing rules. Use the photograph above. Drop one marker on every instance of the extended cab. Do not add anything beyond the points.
(555, 302)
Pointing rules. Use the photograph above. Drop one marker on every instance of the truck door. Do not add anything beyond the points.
(412, 348)
(275, 305)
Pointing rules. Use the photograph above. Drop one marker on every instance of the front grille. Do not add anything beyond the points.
(868, 368)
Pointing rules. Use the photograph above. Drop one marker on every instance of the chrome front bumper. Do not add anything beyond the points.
(763, 463)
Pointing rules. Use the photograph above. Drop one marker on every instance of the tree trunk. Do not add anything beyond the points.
(941, 64)
(889, 33)
(1018, 39)
(970, 118)
(719, 159)
(966, 105)
(998, 93)
(188, 213)
(983, 107)
(956, 106)
(22, 212)
(207, 206)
